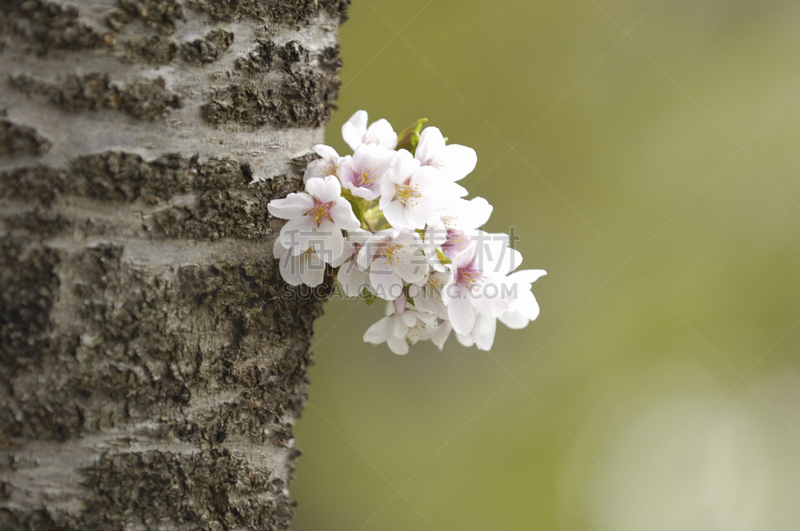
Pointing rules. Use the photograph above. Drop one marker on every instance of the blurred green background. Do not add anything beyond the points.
(647, 153)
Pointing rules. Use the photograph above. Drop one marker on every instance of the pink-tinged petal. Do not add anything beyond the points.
(387, 284)
(457, 161)
(296, 233)
(400, 304)
(435, 235)
(352, 279)
(353, 129)
(326, 152)
(461, 314)
(420, 214)
(403, 167)
(483, 334)
(325, 189)
(492, 299)
(278, 250)
(316, 169)
(364, 193)
(388, 190)
(378, 332)
(400, 325)
(381, 133)
(290, 269)
(398, 345)
(341, 212)
(292, 206)
(412, 265)
(395, 214)
(364, 256)
(431, 142)
(329, 242)
(347, 253)
(312, 271)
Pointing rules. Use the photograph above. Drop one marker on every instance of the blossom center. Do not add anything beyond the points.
(469, 276)
(414, 332)
(368, 139)
(391, 253)
(308, 255)
(320, 213)
(455, 240)
(331, 168)
(434, 287)
(406, 193)
(366, 177)
(436, 165)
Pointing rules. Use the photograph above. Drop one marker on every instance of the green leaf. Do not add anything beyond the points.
(369, 297)
(409, 138)
(355, 203)
(442, 258)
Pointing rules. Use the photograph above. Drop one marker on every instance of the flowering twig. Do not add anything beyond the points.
(391, 220)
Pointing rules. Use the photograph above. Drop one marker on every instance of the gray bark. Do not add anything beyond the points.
(152, 362)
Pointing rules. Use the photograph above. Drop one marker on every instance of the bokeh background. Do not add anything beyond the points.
(647, 153)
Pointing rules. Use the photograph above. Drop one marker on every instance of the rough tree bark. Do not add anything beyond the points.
(151, 366)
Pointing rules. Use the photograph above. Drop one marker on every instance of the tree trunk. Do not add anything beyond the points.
(152, 361)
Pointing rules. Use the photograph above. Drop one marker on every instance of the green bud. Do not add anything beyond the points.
(409, 138)
(369, 297)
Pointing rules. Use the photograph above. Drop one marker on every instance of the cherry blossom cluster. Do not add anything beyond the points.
(390, 222)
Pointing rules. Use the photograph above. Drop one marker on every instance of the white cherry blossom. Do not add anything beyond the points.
(305, 268)
(427, 294)
(483, 291)
(322, 167)
(454, 161)
(364, 172)
(413, 195)
(423, 251)
(316, 218)
(392, 257)
(351, 276)
(355, 132)
(456, 227)
(403, 325)
(524, 308)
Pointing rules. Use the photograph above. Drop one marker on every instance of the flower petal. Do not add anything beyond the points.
(326, 152)
(296, 233)
(397, 345)
(312, 269)
(381, 133)
(431, 142)
(326, 189)
(378, 332)
(387, 284)
(329, 241)
(342, 213)
(292, 206)
(461, 314)
(457, 161)
(483, 334)
(353, 129)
